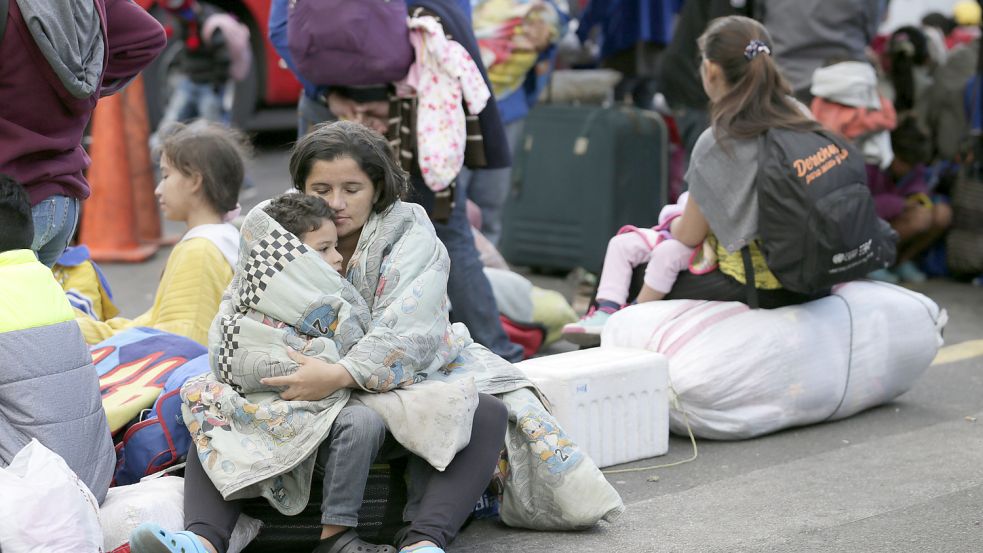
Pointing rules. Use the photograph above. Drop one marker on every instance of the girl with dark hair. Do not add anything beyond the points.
(748, 96)
(201, 167)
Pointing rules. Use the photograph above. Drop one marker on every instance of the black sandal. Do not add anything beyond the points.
(349, 542)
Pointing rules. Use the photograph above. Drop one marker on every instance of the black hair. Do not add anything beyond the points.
(368, 148)
(216, 152)
(940, 22)
(15, 216)
(299, 214)
(907, 48)
(911, 142)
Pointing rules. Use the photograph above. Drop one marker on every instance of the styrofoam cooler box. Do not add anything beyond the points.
(613, 402)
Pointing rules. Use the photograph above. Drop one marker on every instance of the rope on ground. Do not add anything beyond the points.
(676, 404)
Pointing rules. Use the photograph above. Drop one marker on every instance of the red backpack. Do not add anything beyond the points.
(529, 336)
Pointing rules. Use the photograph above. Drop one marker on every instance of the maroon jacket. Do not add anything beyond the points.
(41, 123)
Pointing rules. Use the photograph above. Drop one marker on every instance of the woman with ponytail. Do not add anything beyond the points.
(748, 96)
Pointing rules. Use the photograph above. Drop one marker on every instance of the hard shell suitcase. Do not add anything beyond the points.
(580, 173)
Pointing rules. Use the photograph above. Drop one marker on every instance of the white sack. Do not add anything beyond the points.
(740, 373)
(158, 500)
(44, 507)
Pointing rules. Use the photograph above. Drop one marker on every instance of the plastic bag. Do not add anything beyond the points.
(44, 507)
(159, 500)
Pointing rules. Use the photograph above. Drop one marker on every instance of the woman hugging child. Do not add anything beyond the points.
(202, 167)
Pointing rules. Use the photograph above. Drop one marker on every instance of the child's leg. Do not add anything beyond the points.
(669, 258)
(441, 502)
(916, 219)
(940, 220)
(347, 455)
(625, 252)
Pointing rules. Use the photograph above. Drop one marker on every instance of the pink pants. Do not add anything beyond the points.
(629, 250)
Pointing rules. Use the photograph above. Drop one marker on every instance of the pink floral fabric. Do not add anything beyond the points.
(442, 76)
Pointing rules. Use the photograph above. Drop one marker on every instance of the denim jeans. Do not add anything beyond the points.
(472, 301)
(346, 456)
(55, 220)
(489, 188)
(190, 100)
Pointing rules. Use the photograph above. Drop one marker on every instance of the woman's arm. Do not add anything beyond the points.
(691, 228)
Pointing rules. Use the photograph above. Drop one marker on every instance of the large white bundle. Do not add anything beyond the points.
(740, 373)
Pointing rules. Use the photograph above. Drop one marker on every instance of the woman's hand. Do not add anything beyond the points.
(313, 380)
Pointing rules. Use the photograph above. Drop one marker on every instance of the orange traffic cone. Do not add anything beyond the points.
(109, 221)
(136, 126)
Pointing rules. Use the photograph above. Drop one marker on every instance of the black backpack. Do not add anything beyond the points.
(816, 220)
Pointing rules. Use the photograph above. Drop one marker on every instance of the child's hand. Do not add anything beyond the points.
(313, 380)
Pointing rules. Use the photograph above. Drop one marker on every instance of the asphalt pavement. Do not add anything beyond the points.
(906, 476)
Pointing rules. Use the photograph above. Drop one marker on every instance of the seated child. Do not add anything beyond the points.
(202, 167)
(40, 342)
(630, 248)
(901, 197)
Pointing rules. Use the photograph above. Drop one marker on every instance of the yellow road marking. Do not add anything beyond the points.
(959, 352)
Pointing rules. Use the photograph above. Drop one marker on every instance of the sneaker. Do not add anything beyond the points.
(909, 272)
(884, 275)
(587, 331)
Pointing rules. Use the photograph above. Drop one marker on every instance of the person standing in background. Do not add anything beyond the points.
(807, 33)
(57, 61)
(633, 34)
(215, 50)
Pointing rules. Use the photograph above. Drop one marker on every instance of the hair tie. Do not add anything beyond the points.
(754, 48)
(232, 214)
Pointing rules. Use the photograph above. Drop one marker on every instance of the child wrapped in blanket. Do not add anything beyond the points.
(282, 301)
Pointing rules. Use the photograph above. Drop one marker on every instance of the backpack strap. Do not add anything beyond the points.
(4, 4)
(752, 291)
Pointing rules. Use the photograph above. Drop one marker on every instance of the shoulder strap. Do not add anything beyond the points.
(3, 17)
(749, 287)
